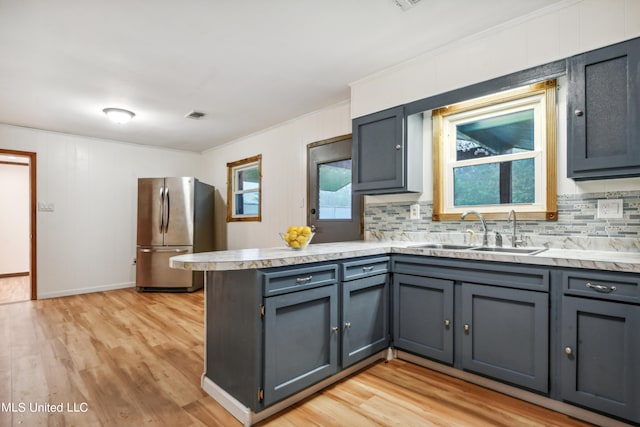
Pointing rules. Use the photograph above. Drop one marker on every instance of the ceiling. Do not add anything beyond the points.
(247, 65)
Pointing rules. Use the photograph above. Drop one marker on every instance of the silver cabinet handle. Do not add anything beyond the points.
(335, 329)
(568, 351)
(466, 328)
(447, 323)
(578, 113)
(161, 209)
(177, 251)
(347, 325)
(304, 279)
(601, 288)
(367, 268)
(398, 147)
(168, 206)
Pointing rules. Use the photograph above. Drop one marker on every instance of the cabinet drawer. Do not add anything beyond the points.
(618, 287)
(278, 281)
(365, 267)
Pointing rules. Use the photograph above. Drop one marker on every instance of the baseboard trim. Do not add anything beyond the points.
(78, 291)
(518, 393)
(9, 275)
(247, 417)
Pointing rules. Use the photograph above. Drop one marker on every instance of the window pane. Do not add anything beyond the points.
(523, 185)
(247, 179)
(495, 183)
(334, 188)
(476, 185)
(247, 204)
(493, 136)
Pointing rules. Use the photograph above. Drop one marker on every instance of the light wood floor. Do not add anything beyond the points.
(15, 289)
(132, 359)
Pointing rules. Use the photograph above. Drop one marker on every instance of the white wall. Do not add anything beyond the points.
(554, 33)
(14, 219)
(88, 242)
(284, 171)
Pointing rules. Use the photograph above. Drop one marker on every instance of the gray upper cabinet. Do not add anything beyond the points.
(603, 137)
(387, 152)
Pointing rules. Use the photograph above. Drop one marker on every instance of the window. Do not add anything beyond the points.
(334, 195)
(497, 153)
(244, 179)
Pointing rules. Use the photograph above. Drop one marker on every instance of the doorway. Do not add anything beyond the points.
(335, 213)
(18, 278)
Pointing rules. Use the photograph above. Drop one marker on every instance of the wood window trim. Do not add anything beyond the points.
(550, 213)
(230, 189)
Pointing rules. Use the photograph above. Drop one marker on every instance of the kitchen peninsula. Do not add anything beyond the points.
(282, 324)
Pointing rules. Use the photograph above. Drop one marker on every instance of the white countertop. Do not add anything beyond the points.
(243, 259)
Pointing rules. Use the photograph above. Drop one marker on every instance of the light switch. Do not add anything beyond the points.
(46, 207)
(610, 209)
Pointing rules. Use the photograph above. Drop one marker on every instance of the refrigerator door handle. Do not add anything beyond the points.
(168, 205)
(178, 251)
(161, 209)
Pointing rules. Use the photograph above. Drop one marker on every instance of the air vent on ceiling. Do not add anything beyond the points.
(405, 4)
(195, 115)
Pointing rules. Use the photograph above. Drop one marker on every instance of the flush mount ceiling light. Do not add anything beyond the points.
(119, 115)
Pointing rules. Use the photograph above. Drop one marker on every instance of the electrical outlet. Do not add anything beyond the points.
(610, 209)
(414, 211)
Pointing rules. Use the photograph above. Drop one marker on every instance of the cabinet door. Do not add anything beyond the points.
(599, 366)
(423, 316)
(378, 150)
(506, 334)
(365, 316)
(603, 112)
(300, 340)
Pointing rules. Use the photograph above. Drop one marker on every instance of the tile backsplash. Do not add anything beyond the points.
(577, 220)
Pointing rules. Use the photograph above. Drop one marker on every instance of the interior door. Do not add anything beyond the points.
(334, 211)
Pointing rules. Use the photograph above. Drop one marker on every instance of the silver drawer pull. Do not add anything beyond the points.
(367, 268)
(601, 288)
(304, 279)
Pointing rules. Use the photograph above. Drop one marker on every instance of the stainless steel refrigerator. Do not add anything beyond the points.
(175, 216)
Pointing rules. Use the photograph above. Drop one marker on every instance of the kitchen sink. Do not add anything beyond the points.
(449, 246)
(525, 251)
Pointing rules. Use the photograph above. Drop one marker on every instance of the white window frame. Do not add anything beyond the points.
(541, 98)
(233, 169)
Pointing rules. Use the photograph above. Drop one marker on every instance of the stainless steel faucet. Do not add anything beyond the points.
(485, 239)
(514, 240)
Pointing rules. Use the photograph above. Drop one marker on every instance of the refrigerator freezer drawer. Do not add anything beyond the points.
(153, 271)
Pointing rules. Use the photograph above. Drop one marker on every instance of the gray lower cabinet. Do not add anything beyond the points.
(600, 343)
(274, 332)
(300, 341)
(423, 316)
(505, 334)
(365, 308)
(487, 318)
